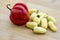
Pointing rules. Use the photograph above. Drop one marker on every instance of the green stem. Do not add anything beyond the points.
(37, 11)
(47, 17)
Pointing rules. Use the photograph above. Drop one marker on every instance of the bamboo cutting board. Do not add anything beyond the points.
(9, 31)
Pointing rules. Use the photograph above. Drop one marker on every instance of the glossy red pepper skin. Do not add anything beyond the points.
(16, 21)
(19, 14)
(22, 4)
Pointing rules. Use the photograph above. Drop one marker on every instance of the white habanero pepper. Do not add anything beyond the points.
(33, 16)
(52, 26)
(50, 18)
(31, 25)
(37, 20)
(44, 23)
(31, 11)
(39, 30)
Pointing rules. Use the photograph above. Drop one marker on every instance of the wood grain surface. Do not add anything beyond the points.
(9, 31)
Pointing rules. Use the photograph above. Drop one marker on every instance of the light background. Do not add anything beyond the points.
(9, 31)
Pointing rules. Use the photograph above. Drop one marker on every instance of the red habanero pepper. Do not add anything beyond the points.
(19, 14)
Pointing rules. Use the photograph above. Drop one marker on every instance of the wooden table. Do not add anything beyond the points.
(9, 31)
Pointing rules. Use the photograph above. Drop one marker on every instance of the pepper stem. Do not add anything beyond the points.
(37, 11)
(8, 7)
(47, 17)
